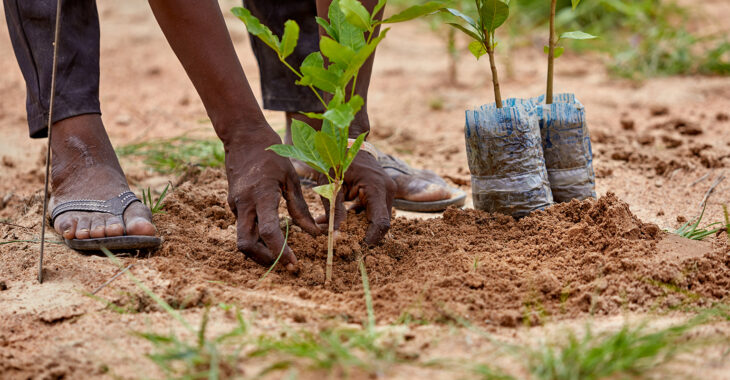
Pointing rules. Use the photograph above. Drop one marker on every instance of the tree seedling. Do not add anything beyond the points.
(491, 14)
(553, 50)
(349, 41)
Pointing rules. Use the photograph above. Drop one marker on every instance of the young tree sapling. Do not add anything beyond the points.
(491, 14)
(554, 51)
(349, 41)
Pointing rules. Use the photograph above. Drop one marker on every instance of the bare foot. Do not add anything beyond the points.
(84, 166)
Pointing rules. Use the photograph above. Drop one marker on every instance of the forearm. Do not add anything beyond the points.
(198, 35)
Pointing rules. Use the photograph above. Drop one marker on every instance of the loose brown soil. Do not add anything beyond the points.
(658, 147)
(591, 256)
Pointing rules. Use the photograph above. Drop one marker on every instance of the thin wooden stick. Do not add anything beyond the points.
(112, 279)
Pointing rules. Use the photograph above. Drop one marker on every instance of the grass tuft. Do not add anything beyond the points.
(628, 351)
(155, 206)
(691, 230)
(173, 155)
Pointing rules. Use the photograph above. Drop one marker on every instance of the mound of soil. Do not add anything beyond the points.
(579, 257)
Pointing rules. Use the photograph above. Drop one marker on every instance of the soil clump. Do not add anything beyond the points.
(592, 256)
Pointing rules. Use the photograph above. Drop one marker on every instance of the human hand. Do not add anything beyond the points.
(257, 178)
(372, 189)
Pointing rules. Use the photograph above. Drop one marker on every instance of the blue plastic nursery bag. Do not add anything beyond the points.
(566, 145)
(504, 149)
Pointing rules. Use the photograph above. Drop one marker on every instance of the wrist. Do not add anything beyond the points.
(248, 135)
(365, 147)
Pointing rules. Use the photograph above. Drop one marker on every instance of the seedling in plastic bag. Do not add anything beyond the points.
(349, 41)
(553, 50)
(491, 14)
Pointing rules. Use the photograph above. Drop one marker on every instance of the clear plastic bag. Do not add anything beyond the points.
(504, 149)
(566, 147)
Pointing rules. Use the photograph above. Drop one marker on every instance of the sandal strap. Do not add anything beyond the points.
(115, 206)
(387, 161)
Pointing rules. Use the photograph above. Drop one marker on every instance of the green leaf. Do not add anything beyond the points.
(290, 151)
(314, 59)
(378, 7)
(327, 27)
(289, 38)
(302, 136)
(477, 49)
(342, 115)
(313, 115)
(557, 51)
(414, 12)
(347, 34)
(254, 26)
(336, 52)
(352, 152)
(493, 13)
(327, 149)
(462, 16)
(356, 14)
(315, 74)
(337, 99)
(360, 57)
(327, 191)
(356, 102)
(575, 3)
(577, 35)
(473, 34)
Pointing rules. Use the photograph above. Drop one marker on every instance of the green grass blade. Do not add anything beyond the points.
(286, 239)
(368, 297)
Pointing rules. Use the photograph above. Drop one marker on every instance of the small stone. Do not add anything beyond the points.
(627, 124)
(300, 318)
(3, 286)
(659, 110)
(124, 120)
(8, 162)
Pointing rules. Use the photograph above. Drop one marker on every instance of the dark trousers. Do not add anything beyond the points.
(31, 24)
(277, 82)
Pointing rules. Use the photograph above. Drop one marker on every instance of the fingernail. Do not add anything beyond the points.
(84, 230)
(66, 232)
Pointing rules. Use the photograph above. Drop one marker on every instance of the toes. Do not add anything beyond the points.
(138, 220)
(65, 225)
(114, 226)
(83, 227)
(98, 225)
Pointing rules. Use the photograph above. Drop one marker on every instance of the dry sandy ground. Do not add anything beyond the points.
(658, 145)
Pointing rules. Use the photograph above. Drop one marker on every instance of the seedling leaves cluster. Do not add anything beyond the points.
(349, 41)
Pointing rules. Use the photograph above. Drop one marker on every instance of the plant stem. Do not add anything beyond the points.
(551, 55)
(495, 77)
(300, 77)
(451, 46)
(330, 236)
